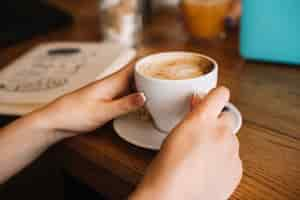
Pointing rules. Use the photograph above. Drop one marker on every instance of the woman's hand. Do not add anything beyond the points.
(92, 106)
(199, 159)
(83, 110)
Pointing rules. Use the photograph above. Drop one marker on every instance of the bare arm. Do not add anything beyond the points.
(21, 142)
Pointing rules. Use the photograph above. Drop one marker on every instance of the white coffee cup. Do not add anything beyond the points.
(168, 101)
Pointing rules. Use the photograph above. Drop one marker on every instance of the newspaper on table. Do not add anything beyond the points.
(51, 70)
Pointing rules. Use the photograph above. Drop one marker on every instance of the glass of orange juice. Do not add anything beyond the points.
(205, 18)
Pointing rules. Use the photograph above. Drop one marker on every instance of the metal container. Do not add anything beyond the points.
(123, 20)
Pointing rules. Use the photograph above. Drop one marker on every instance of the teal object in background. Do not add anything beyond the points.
(270, 30)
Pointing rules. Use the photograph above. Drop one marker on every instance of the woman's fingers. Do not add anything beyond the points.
(195, 100)
(113, 86)
(212, 105)
(119, 82)
(124, 105)
(227, 119)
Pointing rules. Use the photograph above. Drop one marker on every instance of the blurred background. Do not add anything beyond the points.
(124, 21)
(232, 32)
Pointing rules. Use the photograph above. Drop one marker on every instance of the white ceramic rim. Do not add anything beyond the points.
(173, 53)
(238, 117)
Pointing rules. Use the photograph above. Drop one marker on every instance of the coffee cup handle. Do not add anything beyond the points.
(228, 108)
(237, 116)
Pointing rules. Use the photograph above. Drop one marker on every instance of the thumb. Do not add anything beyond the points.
(125, 105)
(195, 100)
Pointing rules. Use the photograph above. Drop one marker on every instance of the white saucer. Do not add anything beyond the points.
(142, 133)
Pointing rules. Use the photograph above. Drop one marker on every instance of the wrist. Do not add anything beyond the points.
(142, 194)
(148, 191)
(39, 123)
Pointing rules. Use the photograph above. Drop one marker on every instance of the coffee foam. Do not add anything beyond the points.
(177, 68)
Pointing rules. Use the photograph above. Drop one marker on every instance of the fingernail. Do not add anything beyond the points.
(140, 99)
(193, 98)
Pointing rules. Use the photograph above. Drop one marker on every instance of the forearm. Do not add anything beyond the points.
(23, 141)
(161, 191)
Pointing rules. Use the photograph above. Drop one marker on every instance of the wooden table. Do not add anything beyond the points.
(268, 96)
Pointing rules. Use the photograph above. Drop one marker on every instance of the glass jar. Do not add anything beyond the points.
(205, 18)
(122, 20)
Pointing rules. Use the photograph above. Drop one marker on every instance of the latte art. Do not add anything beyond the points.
(178, 69)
